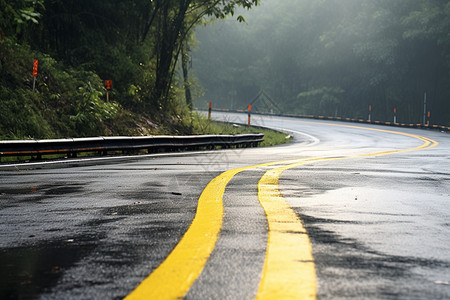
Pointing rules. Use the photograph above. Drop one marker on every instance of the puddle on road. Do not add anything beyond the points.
(28, 272)
(63, 189)
(51, 189)
(35, 193)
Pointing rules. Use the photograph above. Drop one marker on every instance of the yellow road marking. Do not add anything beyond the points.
(289, 270)
(173, 278)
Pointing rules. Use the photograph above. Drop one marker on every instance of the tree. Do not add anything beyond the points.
(16, 15)
(174, 20)
(128, 40)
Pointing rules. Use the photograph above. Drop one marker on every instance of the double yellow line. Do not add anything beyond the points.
(289, 271)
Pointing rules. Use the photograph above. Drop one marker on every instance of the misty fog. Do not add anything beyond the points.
(331, 58)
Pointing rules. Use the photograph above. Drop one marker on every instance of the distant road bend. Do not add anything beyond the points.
(345, 211)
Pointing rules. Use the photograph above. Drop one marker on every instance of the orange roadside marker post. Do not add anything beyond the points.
(108, 85)
(35, 72)
(209, 110)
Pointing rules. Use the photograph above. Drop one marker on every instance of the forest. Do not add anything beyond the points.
(141, 46)
(331, 58)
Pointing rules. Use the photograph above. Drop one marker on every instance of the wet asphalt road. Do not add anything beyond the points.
(379, 225)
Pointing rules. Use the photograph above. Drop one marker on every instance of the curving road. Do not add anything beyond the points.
(345, 211)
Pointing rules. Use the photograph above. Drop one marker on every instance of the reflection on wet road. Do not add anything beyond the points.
(378, 225)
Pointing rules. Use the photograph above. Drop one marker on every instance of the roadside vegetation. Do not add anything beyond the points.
(202, 126)
(141, 46)
(271, 137)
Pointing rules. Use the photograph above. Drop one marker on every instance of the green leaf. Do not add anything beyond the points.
(241, 19)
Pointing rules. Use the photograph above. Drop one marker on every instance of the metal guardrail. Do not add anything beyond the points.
(103, 145)
(408, 125)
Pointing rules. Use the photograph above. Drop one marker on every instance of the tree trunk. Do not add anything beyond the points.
(184, 66)
(171, 35)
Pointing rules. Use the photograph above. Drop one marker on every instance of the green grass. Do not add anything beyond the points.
(271, 137)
